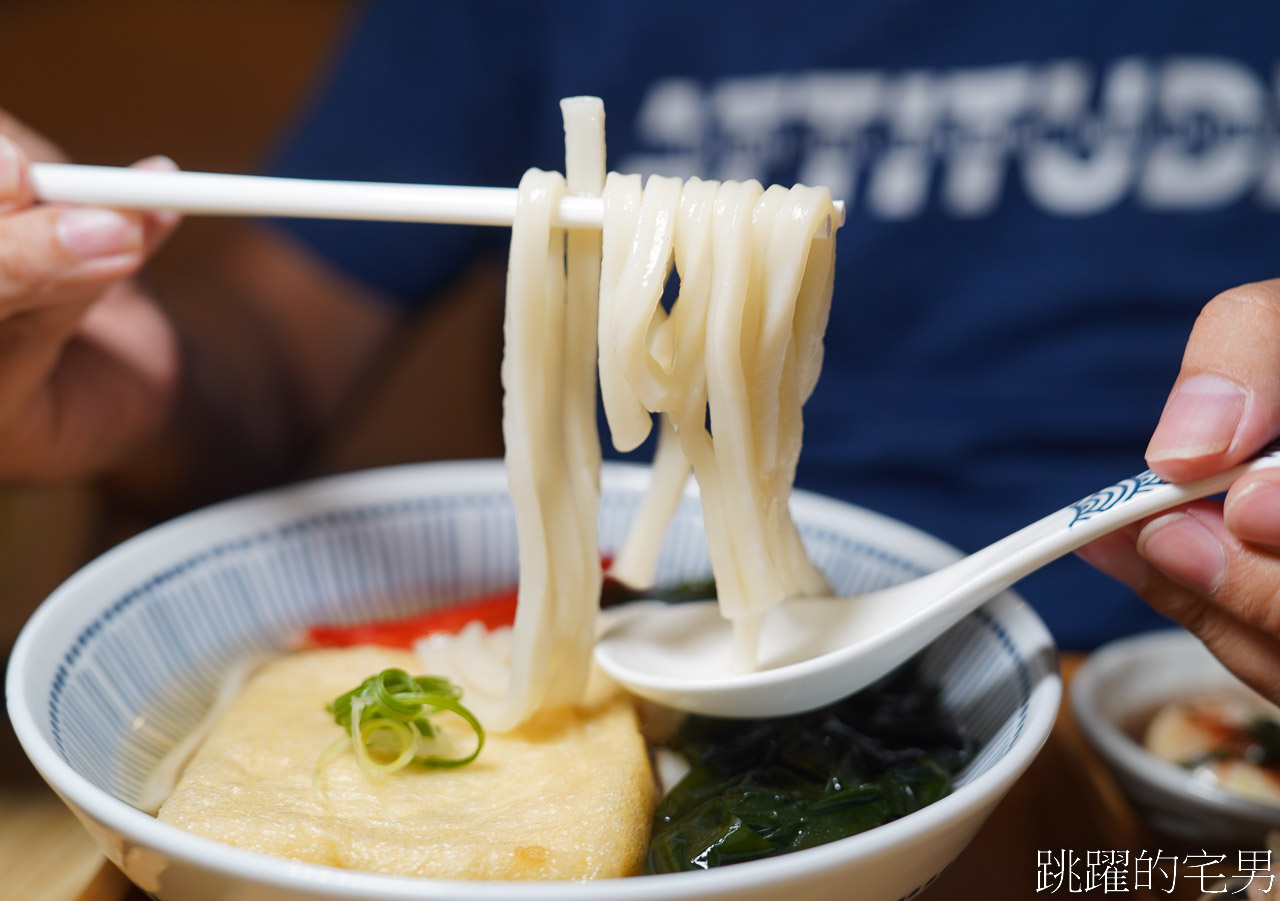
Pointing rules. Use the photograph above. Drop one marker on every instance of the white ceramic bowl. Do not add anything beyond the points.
(163, 614)
(1126, 680)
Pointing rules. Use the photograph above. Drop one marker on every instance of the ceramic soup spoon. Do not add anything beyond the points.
(816, 650)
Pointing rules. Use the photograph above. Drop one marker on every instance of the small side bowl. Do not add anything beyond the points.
(1124, 681)
(124, 658)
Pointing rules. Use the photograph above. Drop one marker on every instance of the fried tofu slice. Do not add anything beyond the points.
(569, 796)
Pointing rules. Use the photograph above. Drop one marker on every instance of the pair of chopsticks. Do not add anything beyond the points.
(212, 194)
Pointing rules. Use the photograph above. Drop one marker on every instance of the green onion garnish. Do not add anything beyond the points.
(386, 720)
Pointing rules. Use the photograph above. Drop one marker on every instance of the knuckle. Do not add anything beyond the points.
(1192, 611)
(31, 268)
(1214, 619)
(1254, 598)
(1196, 614)
(1248, 588)
(16, 281)
(13, 284)
(20, 333)
(29, 347)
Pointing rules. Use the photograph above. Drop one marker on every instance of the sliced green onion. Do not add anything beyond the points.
(386, 719)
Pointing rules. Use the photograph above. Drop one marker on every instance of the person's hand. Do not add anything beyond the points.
(87, 360)
(1213, 566)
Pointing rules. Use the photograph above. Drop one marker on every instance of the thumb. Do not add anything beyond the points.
(1225, 404)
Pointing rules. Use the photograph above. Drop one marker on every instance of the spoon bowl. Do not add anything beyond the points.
(814, 651)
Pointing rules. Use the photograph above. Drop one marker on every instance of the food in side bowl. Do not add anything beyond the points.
(1231, 740)
(567, 797)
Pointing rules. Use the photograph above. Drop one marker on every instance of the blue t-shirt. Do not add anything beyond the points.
(1041, 198)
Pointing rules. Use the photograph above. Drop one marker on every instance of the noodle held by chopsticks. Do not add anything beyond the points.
(744, 342)
(552, 444)
(741, 345)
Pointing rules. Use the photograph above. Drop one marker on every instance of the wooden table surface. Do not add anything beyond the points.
(1066, 801)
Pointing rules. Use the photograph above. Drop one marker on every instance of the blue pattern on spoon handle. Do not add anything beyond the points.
(1108, 498)
(826, 649)
(1126, 490)
(999, 565)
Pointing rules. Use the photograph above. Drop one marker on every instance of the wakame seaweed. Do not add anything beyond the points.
(759, 788)
(613, 593)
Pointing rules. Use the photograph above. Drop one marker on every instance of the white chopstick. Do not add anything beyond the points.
(213, 194)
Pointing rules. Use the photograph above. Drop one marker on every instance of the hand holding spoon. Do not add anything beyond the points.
(816, 650)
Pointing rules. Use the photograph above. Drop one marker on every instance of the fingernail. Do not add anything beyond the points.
(158, 163)
(165, 218)
(1200, 419)
(90, 232)
(1254, 513)
(10, 171)
(1183, 548)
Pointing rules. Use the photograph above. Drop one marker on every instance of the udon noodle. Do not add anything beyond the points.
(740, 349)
(741, 346)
